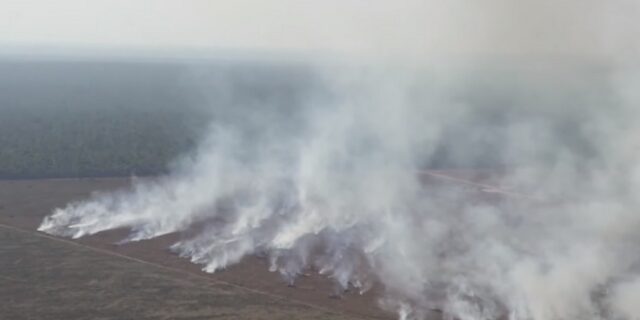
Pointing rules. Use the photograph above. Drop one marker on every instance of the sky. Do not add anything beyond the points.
(413, 28)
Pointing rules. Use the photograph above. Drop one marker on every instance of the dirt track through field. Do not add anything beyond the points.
(23, 204)
(32, 282)
(155, 265)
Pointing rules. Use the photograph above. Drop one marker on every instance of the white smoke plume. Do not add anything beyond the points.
(329, 171)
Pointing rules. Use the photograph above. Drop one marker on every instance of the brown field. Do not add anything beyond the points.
(44, 277)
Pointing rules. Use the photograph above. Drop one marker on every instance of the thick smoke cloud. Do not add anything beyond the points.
(330, 168)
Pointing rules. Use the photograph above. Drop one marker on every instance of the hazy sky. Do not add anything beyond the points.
(413, 27)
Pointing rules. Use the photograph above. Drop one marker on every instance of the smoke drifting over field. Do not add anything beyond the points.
(325, 174)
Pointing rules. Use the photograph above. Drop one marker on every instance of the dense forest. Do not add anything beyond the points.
(94, 118)
(78, 119)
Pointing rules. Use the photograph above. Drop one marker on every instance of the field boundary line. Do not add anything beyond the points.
(183, 272)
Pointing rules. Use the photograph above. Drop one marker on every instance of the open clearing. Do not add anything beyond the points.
(45, 277)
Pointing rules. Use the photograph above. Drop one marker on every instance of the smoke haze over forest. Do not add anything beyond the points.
(301, 131)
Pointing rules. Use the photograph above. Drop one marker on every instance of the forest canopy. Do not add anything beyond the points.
(84, 119)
